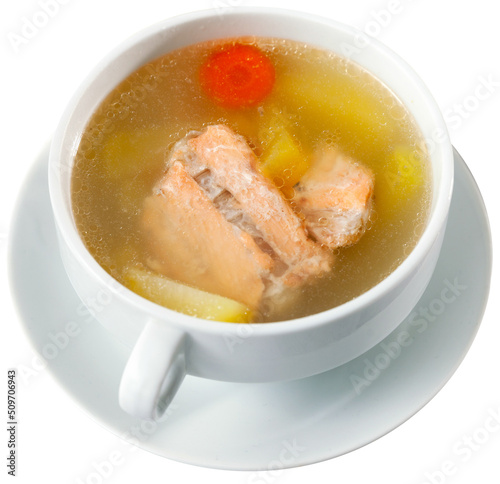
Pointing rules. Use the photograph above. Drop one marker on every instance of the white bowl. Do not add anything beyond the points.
(167, 344)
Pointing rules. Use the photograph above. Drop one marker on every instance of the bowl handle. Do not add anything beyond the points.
(154, 371)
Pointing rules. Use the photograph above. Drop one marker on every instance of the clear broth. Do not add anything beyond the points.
(326, 99)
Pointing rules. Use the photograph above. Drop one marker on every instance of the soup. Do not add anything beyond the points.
(251, 179)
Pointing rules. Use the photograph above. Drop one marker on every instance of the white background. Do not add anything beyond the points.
(452, 44)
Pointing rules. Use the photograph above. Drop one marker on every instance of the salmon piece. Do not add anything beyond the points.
(230, 166)
(335, 197)
(193, 243)
(217, 223)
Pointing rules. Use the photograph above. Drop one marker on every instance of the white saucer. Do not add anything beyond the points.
(255, 426)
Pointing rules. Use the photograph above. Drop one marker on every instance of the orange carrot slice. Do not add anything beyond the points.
(238, 76)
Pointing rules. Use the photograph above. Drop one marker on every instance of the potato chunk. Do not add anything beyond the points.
(282, 159)
(186, 299)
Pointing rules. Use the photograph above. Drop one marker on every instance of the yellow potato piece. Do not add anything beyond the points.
(341, 106)
(186, 299)
(282, 159)
(283, 162)
(126, 152)
(405, 170)
(135, 158)
(403, 179)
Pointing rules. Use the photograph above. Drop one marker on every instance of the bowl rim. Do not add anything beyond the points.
(66, 228)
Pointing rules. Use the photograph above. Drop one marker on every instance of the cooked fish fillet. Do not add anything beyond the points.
(216, 222)
(335, 196)
(193, 243)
